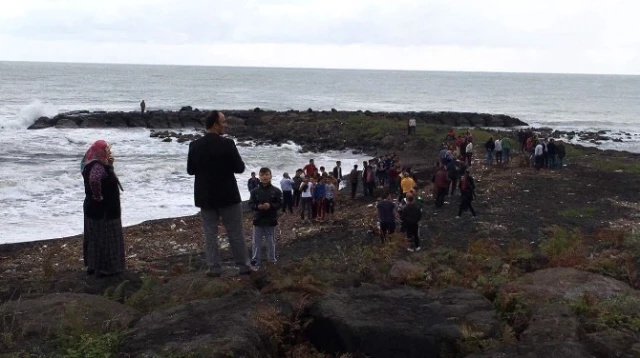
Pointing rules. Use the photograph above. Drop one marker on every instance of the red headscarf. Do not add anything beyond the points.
(99, 151)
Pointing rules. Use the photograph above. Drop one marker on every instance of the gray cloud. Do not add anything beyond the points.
(488, 35)
(402, 23)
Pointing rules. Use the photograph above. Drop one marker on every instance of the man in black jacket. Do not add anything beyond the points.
(337, 173)
(214, 160)
(410, 216)
(266, 201)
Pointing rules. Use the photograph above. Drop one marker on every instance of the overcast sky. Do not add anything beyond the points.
(574, 36)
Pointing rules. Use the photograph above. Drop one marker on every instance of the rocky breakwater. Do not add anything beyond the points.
(313, 130)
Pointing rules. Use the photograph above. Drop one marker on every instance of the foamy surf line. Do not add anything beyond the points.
(42, 195)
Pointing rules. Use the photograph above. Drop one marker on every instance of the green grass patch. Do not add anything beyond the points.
(583, 212)
(616, 164)
(480, 136)
(564, 248)
(88, 345)
(617, 312)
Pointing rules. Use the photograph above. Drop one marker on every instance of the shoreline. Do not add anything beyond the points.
(11, 247)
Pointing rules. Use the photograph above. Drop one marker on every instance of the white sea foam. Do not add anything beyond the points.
(27, 115)
(41, 189)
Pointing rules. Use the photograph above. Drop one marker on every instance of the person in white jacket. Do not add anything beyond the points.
(469, 153)
(498, 151)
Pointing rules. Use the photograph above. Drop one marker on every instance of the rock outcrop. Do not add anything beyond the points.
(401, 322)
(313, 130)
(221, 327)
(189, 118)
(557, 302)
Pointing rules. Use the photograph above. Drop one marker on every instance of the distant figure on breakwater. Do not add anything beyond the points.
(142, 107)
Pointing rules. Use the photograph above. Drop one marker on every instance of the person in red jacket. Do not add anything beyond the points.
(310, 169)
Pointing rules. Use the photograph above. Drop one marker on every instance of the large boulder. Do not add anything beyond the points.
(221, 327)
(553, 297)
(565, 284)
(401, 322)
(43, 122)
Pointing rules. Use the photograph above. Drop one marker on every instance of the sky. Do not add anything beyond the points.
(556, 36)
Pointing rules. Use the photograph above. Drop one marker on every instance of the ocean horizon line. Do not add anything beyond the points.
(326, 68)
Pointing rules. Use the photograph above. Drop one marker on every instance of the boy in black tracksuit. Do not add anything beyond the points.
(266, 201)
(410, 216)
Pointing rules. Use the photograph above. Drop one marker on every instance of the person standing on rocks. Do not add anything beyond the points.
(386, 217)
(319, 192)
(469, 152)
(286, 185)
(365, 170)
(441, 182)
(453, 172)
(467, 194)
(103, 241)
(297, 181)
(253, 182)
(306, 198)
(410, 216)
(142, 107)
(330, 192)
(498, 150)
(337, 173)
(561, 154)
(310, 169)
(538, 155)
(265, 201)
(506, 149)
(353, 178)
(412, 126)
(490, 146)
(214, 161)
(552, 153)
(407, 184)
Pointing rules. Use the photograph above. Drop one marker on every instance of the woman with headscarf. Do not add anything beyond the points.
(103, 246)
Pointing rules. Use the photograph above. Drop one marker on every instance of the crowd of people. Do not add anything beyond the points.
(311, 193)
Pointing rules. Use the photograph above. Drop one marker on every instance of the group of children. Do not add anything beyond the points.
(311, 189)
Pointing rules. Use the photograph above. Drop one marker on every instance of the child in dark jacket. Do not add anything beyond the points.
(410, 216)
(266, 201)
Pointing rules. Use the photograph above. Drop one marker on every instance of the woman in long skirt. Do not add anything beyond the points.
(103, 246)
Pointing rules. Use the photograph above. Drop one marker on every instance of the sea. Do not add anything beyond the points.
(41, 190)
